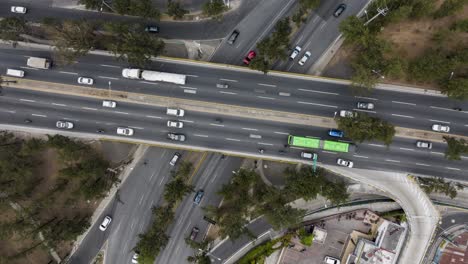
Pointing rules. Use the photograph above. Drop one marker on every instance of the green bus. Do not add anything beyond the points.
(311, 142)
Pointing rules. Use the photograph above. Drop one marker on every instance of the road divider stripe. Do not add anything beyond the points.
(156, 117)
(190, 91)
(191, 75)
(281, 133)
(315, 91)
(367, 98)
(377, 145)
(27, 100)
(28, 68)
(71, 73)
(153, 83)
(390, 160)
(451, 168)
(405, 116)
(38, 115)
(58, 104)
(422, 164)
(105, 77)
(123, 113)
(135, 127)
(188, 87)
(433, 120)
(265, 144)
(407, 149)
(329, 152)
(89, 108)
(358, 156)
(218, 125)
(266, 97)
(265, 84)
(233, 139)
(309, 103)
(250, 129)
(228, 80)
(226, 92)
(199, 135)
(437, 153)
(405, 103)
(110, 66)
(187, 121)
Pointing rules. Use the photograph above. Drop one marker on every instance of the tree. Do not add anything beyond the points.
(421, 8)
(214, 8)
(11, 28)
(461, 26)
(449, 7)
(309, 4)
(259, 63)
(455, 148)
(336, 192)
(363, 127)
(354, 31)
(439, 185)
(175, 190)
(91, 4)
(363, 78)
(305, 183)
(456, 88)
(176, 10)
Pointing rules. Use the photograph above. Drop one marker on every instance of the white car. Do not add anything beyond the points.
(176, 124)
(330, 260)
(423, 144)
(85, 80)
(107, 103)
(105, 223)
(135, 258)
(345, 163)
(176, 137)
(175, 112)
(174, 159)
(305, 58)
(64, 124)
(440, 128)
(295, 52)
(124, 131)
(365, 105)
(308, 155)
(346, 113)
(19, 9)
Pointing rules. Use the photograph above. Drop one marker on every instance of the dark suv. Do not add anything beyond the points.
(233, 37)
(339, 10)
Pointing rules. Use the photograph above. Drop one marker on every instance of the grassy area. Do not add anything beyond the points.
(258, 254)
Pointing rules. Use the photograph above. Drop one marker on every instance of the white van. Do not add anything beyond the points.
(175, 112)
(15, 73)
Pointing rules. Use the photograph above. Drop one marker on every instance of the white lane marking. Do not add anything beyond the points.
(228, 80)
(58, 104)
(8, 111)
(39, 115)
(407, 149)
(157, 117)
(362, 110)
(89, 108)
(368, 98)
(195, 76)
(433, 120)
(300, 148)
(265, 84)
(464, 157)
(110, 66)
(442, 108)
(281, 133)
(233, 139)
(72, 73)
(162, 179)
(438, 153)
(405, 103)
(329, 152)
(251, 129)
(187, 87)
(451, 168)
(187, 121)
(190, 91)
(105, 77)
(140, 128)
(315, 91)
(323, 25)
(255, 136)
(284, 94)
(265, 144)
(308, 103)
(403, 116)
(226, 92)
(357, 156)
(390, 160)
(199, 135)
(265, 97)
(376, 145)
(422, 164)
(153, 83)
(123, 113)
(27, 100)
(211, 124)
(28, 68)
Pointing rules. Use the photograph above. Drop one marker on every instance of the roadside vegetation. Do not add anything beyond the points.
(304, 10)
(455, 148)
(214, 9)
(141, 8)
(439, 185)
(49, 190)
(262, 251)
(155, 238)
(175, 10)
(441, 61)
(363, 127)
(247, 197)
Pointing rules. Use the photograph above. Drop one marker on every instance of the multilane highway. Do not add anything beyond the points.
(233, 134)
(253, 89)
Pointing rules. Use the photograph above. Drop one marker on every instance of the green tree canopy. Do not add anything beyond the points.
(364, 127)
(214, 8)
(12, 27)
(449, 7)
(456, 88)
(175, 9)
(455, 148)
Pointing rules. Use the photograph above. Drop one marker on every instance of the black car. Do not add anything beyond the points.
(198, 197)
(339, 10)
(233, 37)
(194, 233)
(152, 29)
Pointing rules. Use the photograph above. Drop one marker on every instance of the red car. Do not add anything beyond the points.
(249, 57)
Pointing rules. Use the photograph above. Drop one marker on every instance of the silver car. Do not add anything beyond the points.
(85, 80)
(176, 124)
(365, 105)
(64, 124)
(295, 52)
(440, 128)
(176, 137)
(424, 144)
(305, 58)
(125, 131)
(345, 163)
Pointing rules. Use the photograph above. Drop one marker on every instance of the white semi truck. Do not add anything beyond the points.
(40, 63)
(153, 76)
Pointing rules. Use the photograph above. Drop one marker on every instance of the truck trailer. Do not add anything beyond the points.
(39, 63)
(153, 76)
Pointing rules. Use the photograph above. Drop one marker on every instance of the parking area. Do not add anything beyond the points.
(337, 229)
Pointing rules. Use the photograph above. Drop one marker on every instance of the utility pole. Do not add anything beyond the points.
(380, 11)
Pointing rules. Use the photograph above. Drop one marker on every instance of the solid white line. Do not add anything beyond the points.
(266, 144)
(198, 135)
(265, 97)
(284, 94)
(264, 84)
(136, 127)
(314, 91)
(450, 168)
(362, 110)
(187, 121)
(72, 73)
(301, 148)
(390, 160)
(89, 108)
(28, 68)
(153, 83)
(105, 77)
(357, 156)
(196, 76)
(442, 108)
(329, 152)
(331, 106)
(38, 115)
(402, 116)
(376, 145)
(281, 133)
(251, 129)
(111, 66)
(368, 98)
(228, 80)
(211, 124)
(58, 104)
(190, 91)
(157, 117)
(27, 100)
(233, 139)
(186, 87)
(422, 164)
(439, 153)
(405, 103)
(123, 113)
(407, 149)
(433, 120)
(226, 92)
